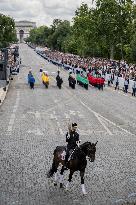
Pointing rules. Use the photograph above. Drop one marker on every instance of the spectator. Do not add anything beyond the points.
(134, 87)
(117, 83)
(109, 79)
(126, 85)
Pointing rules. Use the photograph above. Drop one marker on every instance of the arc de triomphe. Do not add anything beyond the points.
(23, 28)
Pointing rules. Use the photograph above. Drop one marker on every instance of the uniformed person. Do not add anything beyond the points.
(72, 139)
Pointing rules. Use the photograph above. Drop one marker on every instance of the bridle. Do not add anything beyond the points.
(91, 153)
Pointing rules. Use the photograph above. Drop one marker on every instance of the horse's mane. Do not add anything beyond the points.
(84, 144)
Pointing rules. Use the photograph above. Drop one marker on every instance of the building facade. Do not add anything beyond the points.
(23, 28)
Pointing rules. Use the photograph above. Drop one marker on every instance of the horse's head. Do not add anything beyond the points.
(91, 149)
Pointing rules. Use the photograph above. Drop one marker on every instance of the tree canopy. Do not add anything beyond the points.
(108, 30)
(7, 31)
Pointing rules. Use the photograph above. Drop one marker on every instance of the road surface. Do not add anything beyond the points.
(34, 122)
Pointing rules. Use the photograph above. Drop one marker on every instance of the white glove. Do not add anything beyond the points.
(68, 136)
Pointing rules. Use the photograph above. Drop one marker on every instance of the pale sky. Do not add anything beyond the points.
(41, 11)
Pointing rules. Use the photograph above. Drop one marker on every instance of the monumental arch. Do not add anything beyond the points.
(23, 28)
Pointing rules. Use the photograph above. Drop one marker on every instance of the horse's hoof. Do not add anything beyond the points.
(61, 185)
(55, 184)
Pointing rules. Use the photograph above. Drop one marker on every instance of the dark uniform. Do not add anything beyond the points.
(59, 80)
(72, 139)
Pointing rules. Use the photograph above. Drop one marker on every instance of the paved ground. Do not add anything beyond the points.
(3, 91)
(34, 122)
(2, 83)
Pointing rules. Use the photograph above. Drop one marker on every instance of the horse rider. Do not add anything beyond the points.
(72, 139)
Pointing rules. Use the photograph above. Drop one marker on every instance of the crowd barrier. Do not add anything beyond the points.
(31, 46)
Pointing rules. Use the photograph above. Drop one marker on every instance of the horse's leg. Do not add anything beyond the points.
(61, 177)
(53, 169)
(55, 179)
(82, 181)
(70, 178)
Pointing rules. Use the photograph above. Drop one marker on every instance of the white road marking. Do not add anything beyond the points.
(59, 126)
(133, 179)
(89, 132)
(13, 116)
(105, 127)
(72, 112)
(60, 130)
(37, 115)
(52, 116)
(120, 201)
(12, 119)
(36, 132)
(9, 128)
(15, 109)
(56, 101)
(85, 132)
(132, 195)
(66, 116)
(95, 113)
(23, 116)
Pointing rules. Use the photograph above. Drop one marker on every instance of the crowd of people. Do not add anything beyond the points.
(113, 71)
(99, 65)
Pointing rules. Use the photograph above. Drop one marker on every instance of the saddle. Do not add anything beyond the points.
(73, 153)
(63, 154)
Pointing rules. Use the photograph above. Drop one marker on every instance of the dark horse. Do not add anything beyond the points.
(77, 162)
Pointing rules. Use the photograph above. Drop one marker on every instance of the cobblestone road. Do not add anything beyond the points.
(34, 122)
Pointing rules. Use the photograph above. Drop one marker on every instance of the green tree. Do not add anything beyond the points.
(108, 30)
(7, 31)
(82, 29)
(57, 38)
(39, 36)
(114, 19)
